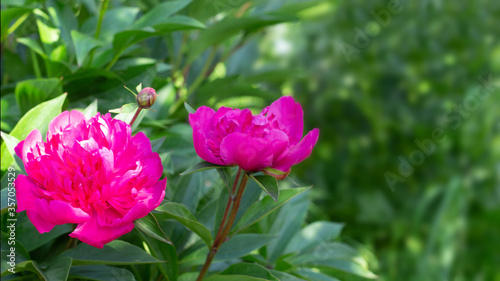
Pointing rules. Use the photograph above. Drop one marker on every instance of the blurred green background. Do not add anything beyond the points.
(406, 95)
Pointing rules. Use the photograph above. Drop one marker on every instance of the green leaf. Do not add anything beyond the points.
(126, 108)
(262, 208)
(313, 234)
(37, 118)
(122, 40)
(164, 251)
(33, 45)
(181, 214)
(201, 167)
(225, 175)
(29, 266)
(156, 144)
(32, 239)
(91, 110)
(159, 13)
(335, 255)
(178, 22)
(83, 45)
(189, 109)
(242, 244)
(269, 184)
(283, 276)
(11, 142)
(150, 226)
(315, 275)
(234, 278)
(116, 252)
(30, 93)
(226, 28)
(249, 269)
(58, 269)
(101, 273)
(10, 14)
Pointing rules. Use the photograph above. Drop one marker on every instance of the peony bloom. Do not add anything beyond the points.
(270, 141)
(89, 172)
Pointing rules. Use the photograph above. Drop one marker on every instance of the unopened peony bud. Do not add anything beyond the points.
(146, 98)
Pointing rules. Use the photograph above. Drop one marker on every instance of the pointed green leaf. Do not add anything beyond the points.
(249, 269)
(150, 226)
(315, 275)
(156, 144)
(313, 234)
(91, 110)
(242, 244)
(269, 184)
(126, 108)
(11, 142)
(264, 207)
(37, 118)
(233, 278)
(116, 252)
(30, 93)
(10, 14)
(160, 12)
(189, 109)
(83, 45)
(33, 45)
(181, 214)
(58, 269)
(201, 167)
(101, 273)
(178, 22)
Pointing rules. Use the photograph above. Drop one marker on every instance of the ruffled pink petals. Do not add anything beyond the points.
(96, 235)
(299, 152)
(89, 172)
(25, 193)
(63, 121)
(26, 146)
(202, 118)
(251, 154)
(207, 150)
(59, 212)
(287, 115)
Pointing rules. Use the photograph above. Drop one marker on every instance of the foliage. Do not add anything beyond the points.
(60, 55)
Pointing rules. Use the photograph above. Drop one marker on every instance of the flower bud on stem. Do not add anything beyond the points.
(224, 227)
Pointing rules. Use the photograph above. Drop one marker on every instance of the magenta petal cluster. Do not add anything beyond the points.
(270, 141)
(90, 172)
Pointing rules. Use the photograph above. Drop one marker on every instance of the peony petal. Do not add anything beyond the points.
(278, 143)
(299, 152)
(287, 115)
(59, 212)
(41, 224)
(202, 118)
(63, 120)
(96, 235)
(251, 154)
(24, 147)
(147, 200)
(25, 193)
(201, 146)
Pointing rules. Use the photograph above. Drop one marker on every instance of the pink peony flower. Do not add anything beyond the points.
(89, 172)
(269, 142)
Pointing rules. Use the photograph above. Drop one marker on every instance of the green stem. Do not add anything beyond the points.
(221, 236)
(135, 116)
(102, 11)
(36, 66)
